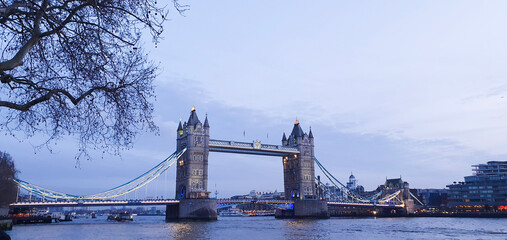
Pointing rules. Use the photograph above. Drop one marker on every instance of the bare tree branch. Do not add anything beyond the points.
(51, 93)
(75, 67)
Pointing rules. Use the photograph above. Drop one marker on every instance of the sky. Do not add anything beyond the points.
(415, 89)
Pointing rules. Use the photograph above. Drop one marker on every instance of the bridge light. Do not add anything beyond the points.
(295, 156)
(181, 163)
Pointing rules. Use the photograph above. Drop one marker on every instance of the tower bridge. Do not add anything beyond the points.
(303, 191)
(296, 151)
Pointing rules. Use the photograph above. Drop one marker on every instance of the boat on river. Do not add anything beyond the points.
(121, 217)
(42, 216)
(233, 212)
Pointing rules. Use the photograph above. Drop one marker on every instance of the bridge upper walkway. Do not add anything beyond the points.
(255, 148)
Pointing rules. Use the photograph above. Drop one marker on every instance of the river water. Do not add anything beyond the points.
(154, 227)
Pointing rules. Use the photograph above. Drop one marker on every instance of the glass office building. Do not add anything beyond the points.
(486, 190)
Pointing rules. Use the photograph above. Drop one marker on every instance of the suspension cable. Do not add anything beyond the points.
(351, 194)
(121, 190)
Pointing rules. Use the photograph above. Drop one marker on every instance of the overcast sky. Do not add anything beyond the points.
(390, 88)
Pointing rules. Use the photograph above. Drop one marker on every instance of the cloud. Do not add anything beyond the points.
(382, 70)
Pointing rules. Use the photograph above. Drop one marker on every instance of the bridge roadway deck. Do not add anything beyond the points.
(255, 148)
(98, 203)
(81, 203)
(359, 204)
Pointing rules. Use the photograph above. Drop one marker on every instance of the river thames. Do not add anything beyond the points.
(154, 227)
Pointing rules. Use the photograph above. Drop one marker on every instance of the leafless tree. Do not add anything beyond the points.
(8, 188)
(76, 67)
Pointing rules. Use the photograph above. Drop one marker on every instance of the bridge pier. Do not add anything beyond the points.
(192, 209)
(305, 209)
(310, 209)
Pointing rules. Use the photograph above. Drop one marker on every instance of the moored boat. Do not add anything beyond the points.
(31, 217)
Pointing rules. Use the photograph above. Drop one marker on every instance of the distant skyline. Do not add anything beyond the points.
(390, 88)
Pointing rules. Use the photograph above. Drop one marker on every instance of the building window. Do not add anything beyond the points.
(197, 172)
(308, 191)
(196, 185)
(197, 157)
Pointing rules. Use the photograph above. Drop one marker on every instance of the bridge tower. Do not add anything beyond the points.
(299, 172)
(299, 177)
(192, 172)
(192, 167)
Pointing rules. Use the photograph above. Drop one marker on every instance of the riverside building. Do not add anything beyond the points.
(485, 191)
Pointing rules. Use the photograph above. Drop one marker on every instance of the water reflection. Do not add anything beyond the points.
(189, 230)
(300, 222)
(247, 228)
(303, 229)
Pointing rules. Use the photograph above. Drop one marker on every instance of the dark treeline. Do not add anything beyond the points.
(8, 172)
